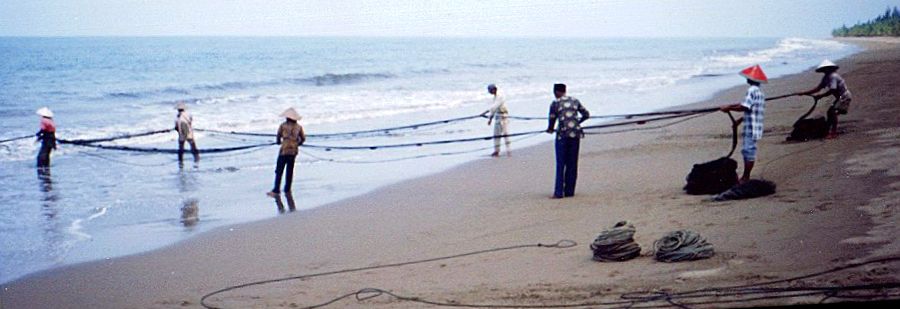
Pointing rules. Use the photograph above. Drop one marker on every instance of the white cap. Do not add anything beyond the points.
(292, 114)
(45, 112)
(826, 64)
(180, 105)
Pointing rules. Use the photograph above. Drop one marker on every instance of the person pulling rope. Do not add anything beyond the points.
(682, 245)
(616, 244)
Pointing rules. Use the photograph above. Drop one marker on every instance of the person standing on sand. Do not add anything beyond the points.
(185, 131)
(47, 137)
(290, 136)
(564, 111)
(754, 107)
(500, 115)
(835, 86)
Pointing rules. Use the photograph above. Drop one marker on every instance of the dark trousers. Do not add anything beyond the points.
(43, 158)
(284, 161)
(566, 166)
(194, 150)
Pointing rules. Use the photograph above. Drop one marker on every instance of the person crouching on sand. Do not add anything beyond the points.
(754, 107)
(185, 131)
(290, 136)
(47, 136)
(835, 85)
(500, 115)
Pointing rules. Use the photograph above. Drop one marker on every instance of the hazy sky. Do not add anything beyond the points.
(598, 18)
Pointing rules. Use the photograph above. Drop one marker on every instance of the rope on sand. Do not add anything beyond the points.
(682, 245)
(616, 244)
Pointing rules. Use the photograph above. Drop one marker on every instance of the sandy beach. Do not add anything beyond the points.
(835, 205)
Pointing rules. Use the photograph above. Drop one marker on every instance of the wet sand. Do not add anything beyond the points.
(836, 204)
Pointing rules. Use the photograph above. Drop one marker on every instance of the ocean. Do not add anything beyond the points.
(98, 203)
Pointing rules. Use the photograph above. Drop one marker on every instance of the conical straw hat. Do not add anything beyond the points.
(292, 114)
(826, 64)
(45, 112)
(755, 73)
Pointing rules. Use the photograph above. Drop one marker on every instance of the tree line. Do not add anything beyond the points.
(887, 24)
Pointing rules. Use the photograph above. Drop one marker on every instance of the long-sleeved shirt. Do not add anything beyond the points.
(183, 126)
(290, 136)
(499, 108)
(564, 111)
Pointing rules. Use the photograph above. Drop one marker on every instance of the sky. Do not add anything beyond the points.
(435, 18)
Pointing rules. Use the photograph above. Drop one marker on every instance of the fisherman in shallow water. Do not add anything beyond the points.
(754, 108)
(185, 131)
(290, 136)
(834, 85)
(47, 137)
(564, 111)
(500, 116)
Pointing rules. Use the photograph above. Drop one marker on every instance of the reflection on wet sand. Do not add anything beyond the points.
(290, 201)
(190, 212)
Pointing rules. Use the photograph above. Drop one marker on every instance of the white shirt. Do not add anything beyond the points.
(499, 107)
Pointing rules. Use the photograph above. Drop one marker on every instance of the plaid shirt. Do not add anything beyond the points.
(755, 102)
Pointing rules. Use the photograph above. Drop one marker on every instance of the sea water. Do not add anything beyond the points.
(95, 204)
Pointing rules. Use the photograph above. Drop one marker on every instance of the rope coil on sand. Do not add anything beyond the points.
(682, 245)
(616, 244)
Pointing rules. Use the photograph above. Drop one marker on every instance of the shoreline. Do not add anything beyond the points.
(352, 216)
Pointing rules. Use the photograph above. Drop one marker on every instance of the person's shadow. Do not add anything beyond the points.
(290, 201)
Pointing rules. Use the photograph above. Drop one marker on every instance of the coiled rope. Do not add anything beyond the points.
(682, 245)
(616, 244)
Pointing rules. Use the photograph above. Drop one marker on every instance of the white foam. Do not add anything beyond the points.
(784, 48)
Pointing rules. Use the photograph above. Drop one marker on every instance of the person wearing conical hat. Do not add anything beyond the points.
(754, 108)
(834, 85)
(290, 136)
(185, 131)
(498, 113)
(47, 137)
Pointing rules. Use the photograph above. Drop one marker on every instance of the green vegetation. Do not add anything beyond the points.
(884, 25)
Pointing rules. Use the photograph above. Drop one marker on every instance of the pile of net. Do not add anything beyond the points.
(683, 245)
(616, 244)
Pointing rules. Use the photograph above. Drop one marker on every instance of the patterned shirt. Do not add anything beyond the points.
(565, 110)
(755, 102)
(291, 136)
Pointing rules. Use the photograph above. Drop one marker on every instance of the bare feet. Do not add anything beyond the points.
(272, 194)
(831, 136)
(495, 154)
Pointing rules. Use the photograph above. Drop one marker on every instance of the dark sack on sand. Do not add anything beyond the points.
(717, 175)
(806, 129)
(750, 189)
(712, 177)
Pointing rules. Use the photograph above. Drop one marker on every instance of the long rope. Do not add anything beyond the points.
(558, 245)
(16, 138)
(109, 139)
(448, 153)
(167, 150)
(355, 133)
(644, 299)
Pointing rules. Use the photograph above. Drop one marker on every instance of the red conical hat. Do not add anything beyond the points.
(755, 73)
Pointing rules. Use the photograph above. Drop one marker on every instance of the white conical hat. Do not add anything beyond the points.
(45, 112)
(292, 114)
(826, 64)
(180, 105)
